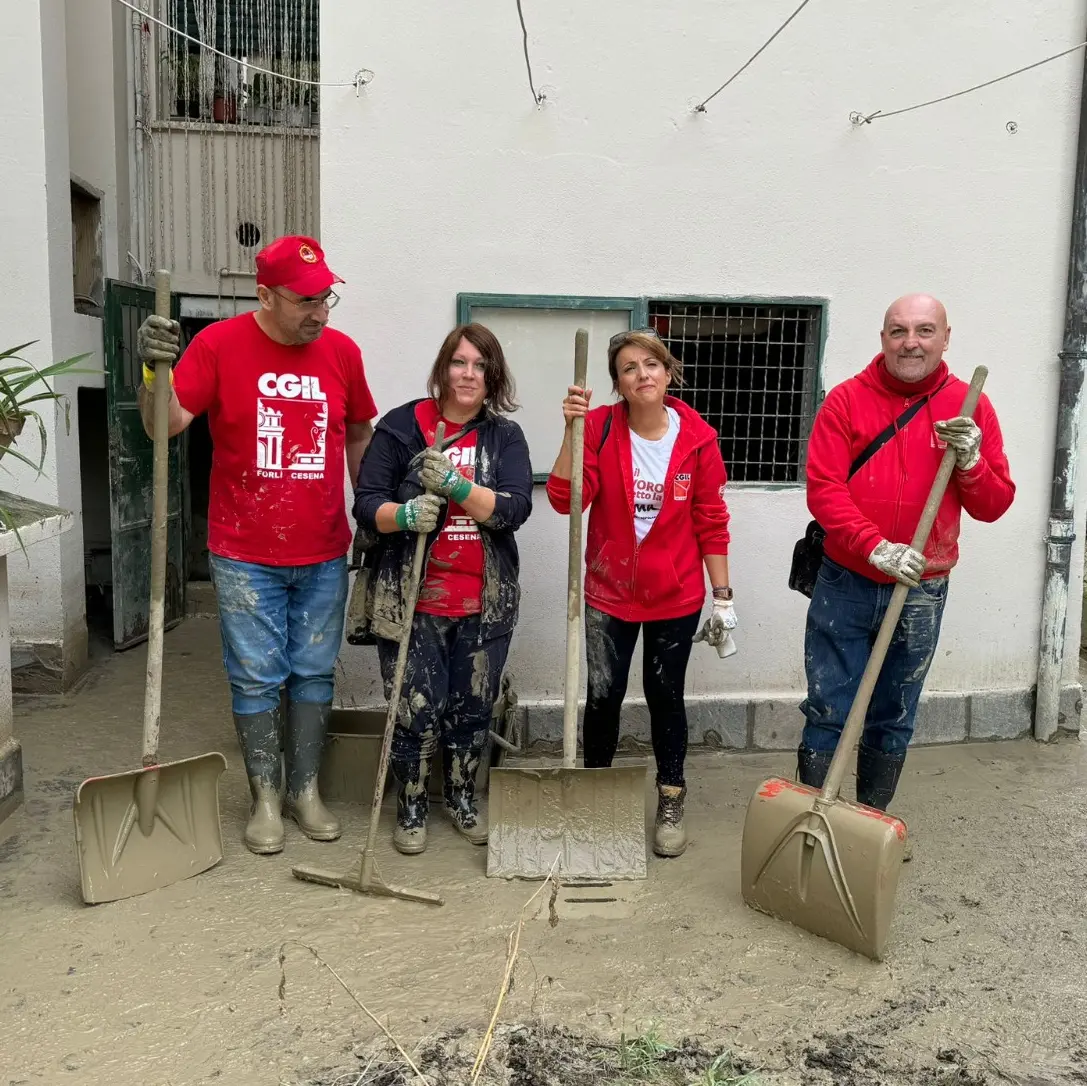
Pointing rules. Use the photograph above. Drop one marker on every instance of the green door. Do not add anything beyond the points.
(130, 473)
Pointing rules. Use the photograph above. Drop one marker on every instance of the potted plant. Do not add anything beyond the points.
(224, 106)
(19, 398)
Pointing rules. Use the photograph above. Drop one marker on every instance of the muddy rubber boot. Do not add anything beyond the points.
(877, 780)
(669, 834)
(812, 766)
(307, 726)
(877, 776)
(412, 805)
(459, 767)
(258, 736)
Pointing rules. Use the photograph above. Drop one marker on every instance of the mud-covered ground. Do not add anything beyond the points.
(985, 981)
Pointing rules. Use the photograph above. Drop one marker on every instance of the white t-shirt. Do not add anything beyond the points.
(650, 463)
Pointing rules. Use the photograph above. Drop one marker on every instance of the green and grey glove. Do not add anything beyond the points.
(420, 514)
(439, 474)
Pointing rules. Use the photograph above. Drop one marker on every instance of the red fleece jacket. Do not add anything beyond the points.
(885, 498)
(662, 578)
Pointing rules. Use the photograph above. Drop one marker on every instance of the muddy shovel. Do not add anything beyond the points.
(592, 821)
(366, 878)
(814, 859)
(153, 826)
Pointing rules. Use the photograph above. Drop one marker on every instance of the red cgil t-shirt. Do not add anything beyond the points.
(278, 417)
(453, 586)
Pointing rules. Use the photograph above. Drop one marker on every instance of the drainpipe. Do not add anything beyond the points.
(138, 187)
(1062, 529)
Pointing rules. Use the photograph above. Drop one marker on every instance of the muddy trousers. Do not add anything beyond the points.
(281, 626)
(844, 615)
(451, 683)
(666, 649)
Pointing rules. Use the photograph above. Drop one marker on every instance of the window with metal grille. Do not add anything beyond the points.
(751, 370)
(281, 36)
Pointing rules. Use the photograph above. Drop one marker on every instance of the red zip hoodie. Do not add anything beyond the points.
(662, 578)
(885, 498)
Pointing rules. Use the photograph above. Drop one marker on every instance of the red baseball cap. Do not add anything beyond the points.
(297, 263)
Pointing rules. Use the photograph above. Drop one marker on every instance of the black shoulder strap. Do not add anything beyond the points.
(604, 433)
(886, 434)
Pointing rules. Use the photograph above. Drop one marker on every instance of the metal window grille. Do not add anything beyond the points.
(279, 35)
(749, 370)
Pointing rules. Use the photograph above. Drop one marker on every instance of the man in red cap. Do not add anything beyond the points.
(288, 405)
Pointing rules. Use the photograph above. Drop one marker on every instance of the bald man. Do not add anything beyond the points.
(869, 514)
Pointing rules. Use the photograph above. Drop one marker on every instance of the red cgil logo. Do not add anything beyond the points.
(681, 486)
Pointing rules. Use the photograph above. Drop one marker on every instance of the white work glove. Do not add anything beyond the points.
(964, 436)
(900, 561)
(420, 514)
(717, 629)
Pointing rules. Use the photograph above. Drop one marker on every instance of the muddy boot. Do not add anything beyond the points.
(412, 805)
(258, 736)
(669, 834)
(877, 780)
(812, 766)
(877, 776)
(459, 768)
(307, 726)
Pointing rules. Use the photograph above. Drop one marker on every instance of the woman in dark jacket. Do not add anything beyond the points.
(469, 497)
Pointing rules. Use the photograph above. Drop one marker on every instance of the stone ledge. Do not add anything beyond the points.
(11, 777)
(49, 667)
(720, 724)
(774, 723)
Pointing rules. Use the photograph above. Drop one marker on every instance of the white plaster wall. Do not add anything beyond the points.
(95, 74)
(27, 221)
(443, 177)
(58, 120)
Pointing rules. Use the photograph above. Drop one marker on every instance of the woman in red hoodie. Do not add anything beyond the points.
(654, 485)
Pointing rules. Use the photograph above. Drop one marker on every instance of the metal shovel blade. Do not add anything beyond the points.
(147, 828)
(592, 819)
(830, 869)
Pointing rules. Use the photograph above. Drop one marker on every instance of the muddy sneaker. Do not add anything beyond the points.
(670, 836)
(466, 820)
(410, 840)
(412, 808)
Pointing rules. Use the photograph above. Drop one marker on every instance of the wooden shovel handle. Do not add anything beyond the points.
(854, 724)
(573, 575)
(411, 597)
(160, 481)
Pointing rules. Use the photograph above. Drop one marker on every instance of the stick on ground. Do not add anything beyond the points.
(339, 980)
(513, 944)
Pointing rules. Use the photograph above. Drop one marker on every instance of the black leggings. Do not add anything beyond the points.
(666, 648)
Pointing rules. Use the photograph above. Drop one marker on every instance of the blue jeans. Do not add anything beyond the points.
(843, 620)
(280, 625)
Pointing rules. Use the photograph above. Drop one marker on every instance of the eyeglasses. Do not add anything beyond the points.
(311, 305)
(621, 337)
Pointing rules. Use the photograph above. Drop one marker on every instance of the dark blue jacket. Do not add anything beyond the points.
(390, 473)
